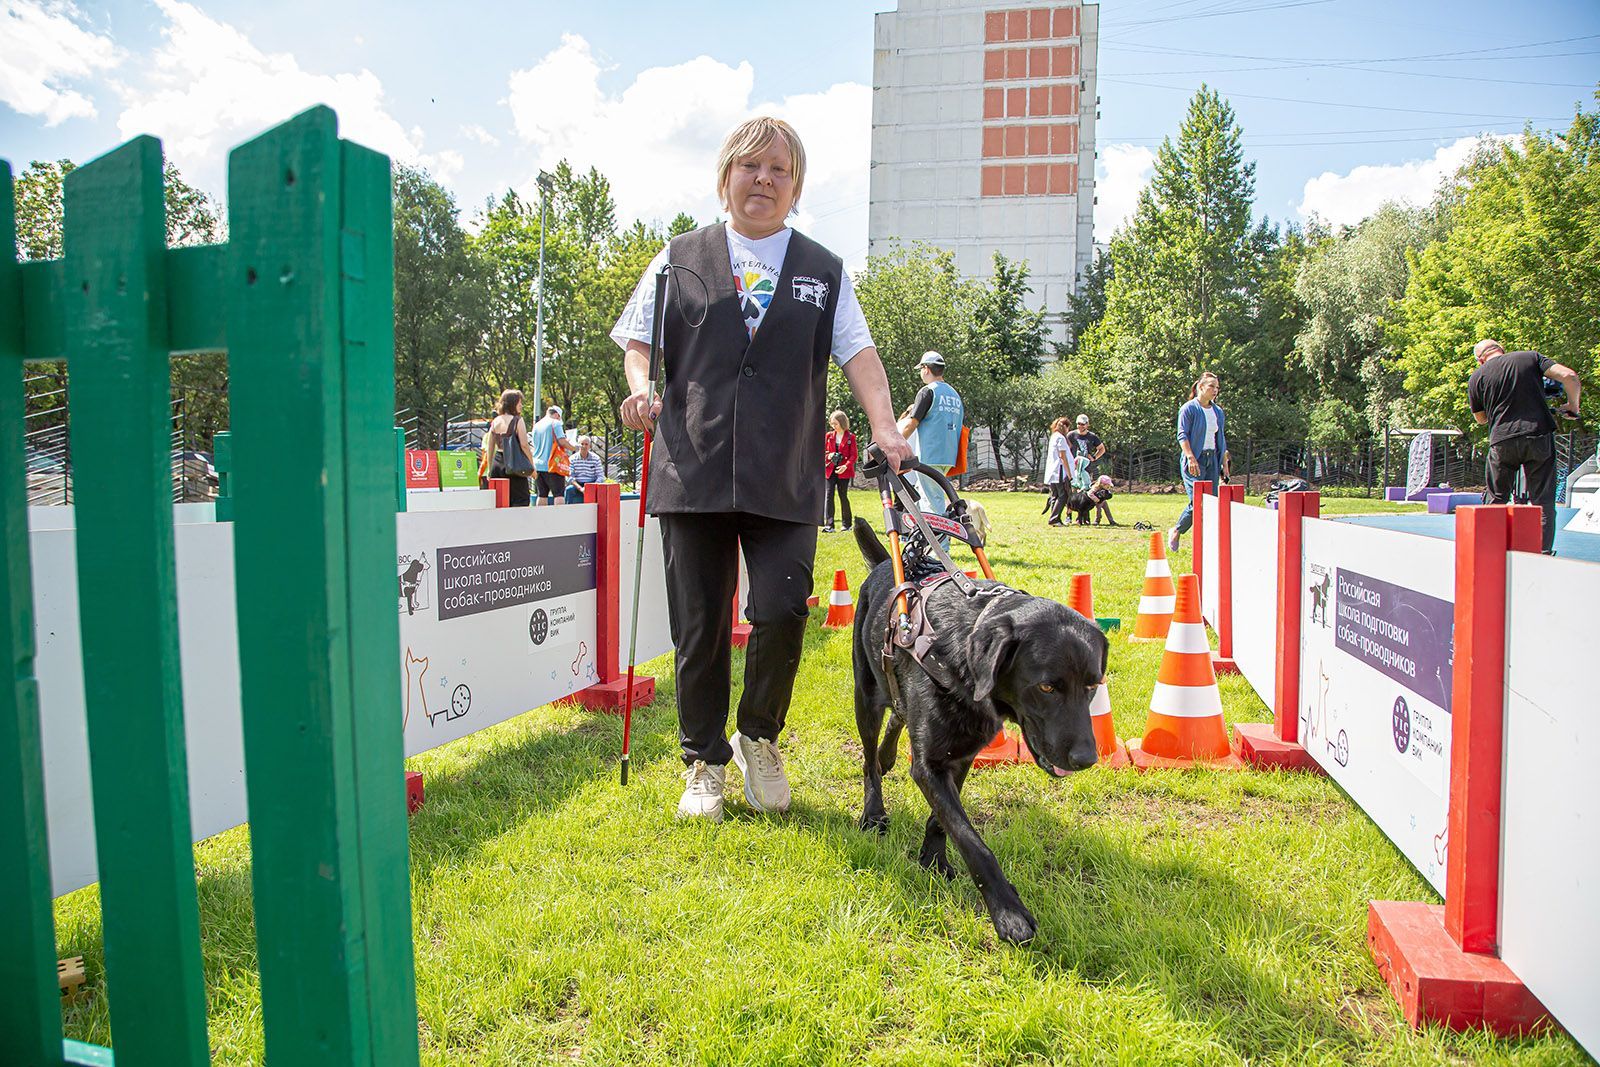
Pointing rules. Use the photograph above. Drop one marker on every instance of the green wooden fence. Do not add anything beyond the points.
(301, 299)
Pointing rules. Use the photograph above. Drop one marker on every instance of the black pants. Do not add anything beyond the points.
(840, 486)
(702, 567)
(520, 497)
(1534, 455)
(1058, 499)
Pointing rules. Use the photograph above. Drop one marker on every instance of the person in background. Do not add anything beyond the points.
(1203, 439)
(1104, 489)
(1057, 464)
(586, 468)
(935, 416)
(1506, 394)
(839, 455)
(1083, 441)
(507, 436)
(550, 487)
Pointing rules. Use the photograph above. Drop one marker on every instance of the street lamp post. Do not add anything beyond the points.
(546, 184)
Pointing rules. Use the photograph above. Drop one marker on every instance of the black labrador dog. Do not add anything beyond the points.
(1018, 657)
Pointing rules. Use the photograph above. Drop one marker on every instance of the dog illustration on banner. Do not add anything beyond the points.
(413, 583)
(416, 668)
(1320, 592)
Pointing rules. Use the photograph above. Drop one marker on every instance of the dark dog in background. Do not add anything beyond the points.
(994, 658)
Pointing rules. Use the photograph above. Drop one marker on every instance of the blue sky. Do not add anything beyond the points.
(1343, 102)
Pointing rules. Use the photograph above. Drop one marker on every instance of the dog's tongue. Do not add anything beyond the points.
(1058, 772)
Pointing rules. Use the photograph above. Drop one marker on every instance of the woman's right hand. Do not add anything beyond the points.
(637, 412)
(1194, 466)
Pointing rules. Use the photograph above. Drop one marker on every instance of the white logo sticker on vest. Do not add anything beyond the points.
(811, 291)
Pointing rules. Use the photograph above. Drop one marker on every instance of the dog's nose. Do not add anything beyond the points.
(1082, 755)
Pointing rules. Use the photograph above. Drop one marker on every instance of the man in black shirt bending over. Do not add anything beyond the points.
(1506, 394)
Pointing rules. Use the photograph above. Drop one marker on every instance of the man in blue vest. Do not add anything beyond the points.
(935, 417)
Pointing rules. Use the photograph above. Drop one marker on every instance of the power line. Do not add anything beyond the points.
(1339, 103)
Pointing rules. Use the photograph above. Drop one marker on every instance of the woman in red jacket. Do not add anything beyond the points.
(838, 466)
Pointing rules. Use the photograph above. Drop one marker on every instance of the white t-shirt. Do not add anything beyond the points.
(1211, 428)
(1054, 470)
(756, 266)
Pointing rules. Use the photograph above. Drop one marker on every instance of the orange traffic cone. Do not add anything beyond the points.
(841, 609)
(1003, 749)
(1112, 753)
(741, 629)
(1185, 728)
(1155, 601)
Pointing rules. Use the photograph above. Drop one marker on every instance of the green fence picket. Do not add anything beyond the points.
(120, 424)
(30, 1010)
(310, 259)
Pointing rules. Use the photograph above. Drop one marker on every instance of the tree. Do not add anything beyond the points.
(1521, 263)
(439, 308)
(1087, 305)
(1350, 286)
(1007, 349)
(1188, 271)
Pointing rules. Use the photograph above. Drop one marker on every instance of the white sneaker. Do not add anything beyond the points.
(766, 787)
(1172, 539)
(702, 792)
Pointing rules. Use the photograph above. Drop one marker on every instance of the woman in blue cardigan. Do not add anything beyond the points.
(1203, 437)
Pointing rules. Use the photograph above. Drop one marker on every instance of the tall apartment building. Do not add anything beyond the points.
(983, 116)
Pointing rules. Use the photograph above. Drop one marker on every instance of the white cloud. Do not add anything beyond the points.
(1346, 199)
(1121, 173)
(211, 88)
(43, 45)
(657, 140)
(473, 132)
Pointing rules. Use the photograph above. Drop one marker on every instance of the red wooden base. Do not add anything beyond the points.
(741, 634)
(1223, 664)
(1118, 760)
(413, 791)
(1259, 746)
(1144, 761)
(611, 696)
(1435, 982)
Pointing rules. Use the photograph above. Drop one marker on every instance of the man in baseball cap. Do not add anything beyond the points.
(935, 417)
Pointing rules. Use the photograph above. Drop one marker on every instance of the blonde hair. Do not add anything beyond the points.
(752, 136)
(841, 419)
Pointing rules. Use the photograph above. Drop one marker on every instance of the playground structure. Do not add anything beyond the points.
(1427, 675)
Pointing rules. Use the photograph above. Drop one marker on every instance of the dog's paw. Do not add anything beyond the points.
(1014, 924)
(938, 863)
(877, 822)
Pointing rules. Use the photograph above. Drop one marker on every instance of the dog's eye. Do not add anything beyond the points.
(1046, 687)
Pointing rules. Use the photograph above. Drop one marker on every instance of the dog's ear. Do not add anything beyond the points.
(990, 646)
(1105, 652)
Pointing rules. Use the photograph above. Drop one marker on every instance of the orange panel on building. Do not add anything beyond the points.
(1038, 140)
(1038, 62)
(1011, 181)
(1016, 62)
(1063, 140)
(1063, 176)
(1066, 22)
(993, 141)
(1039, 24)
(1063, 100)
(1039, 100)
(994, 26)
(1017, 25)
(1016, 141)
(1016, 103)
(994, 66)
(1037, 183)
(991, 181)
(994, 103)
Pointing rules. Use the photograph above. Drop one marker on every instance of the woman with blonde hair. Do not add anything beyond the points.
(738, 429)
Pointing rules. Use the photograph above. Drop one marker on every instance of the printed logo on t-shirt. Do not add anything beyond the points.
(811, 290)
(755, 282)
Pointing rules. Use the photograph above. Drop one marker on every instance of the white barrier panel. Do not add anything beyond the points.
(449, 500)
(1377, 621)
(507, 671)
(1550, 814)
(1255, 596)
(209, 645)
(497, 615)
(1210, 558)
(655, 635)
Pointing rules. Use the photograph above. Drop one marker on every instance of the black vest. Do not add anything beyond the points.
(742, 419)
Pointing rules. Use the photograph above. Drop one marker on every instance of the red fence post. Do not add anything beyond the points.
(1442, 963)
(609, 692)
(1222, 660)
(1277, 744)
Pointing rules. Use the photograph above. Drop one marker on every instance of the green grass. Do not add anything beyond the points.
(1185, 918)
